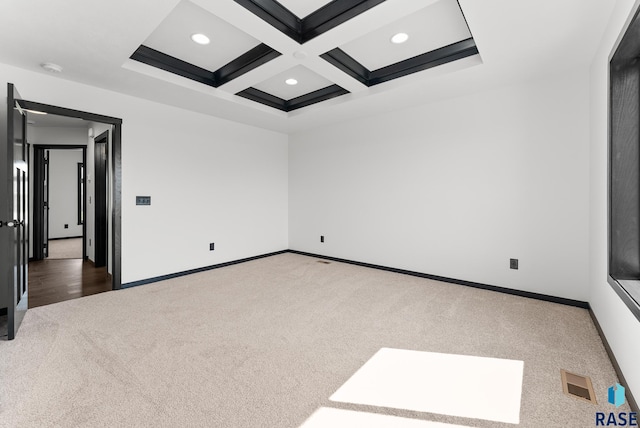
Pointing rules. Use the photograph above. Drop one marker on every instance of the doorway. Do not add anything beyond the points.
(58, 189)
(14, 156)
(115, 177)
(70, 209)
(70, 252)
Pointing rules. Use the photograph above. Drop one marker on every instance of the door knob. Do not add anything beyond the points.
(12, 223)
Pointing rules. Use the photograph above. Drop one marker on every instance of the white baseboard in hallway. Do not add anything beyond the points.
(326, 417)
(447, 384)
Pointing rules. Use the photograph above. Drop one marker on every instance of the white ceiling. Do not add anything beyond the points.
(173, 37)
(55, 121)
(437, 25)
(518, 40)
(302, 8)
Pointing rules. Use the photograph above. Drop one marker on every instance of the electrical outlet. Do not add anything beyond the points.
(321, 238)
(212, 246)
(513, 264)
(66, 226)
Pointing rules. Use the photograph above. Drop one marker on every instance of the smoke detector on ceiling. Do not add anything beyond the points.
(51, 67)
(300, 55)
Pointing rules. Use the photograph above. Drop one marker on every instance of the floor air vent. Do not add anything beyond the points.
(578, 386)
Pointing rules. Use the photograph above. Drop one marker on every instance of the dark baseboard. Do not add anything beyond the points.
(66, 237)
(198, 270)
(4, 311)
(529, 294)
(630, 399)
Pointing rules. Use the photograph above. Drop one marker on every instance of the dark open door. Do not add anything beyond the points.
(101, 225)
(40, 207)
(45, 207)
(14, 212)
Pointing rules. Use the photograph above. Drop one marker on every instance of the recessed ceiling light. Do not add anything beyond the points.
(400, 38)
(200, 39)
(291, 82)
(51, 67)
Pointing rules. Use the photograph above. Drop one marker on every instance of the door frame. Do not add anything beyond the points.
(115, 170)
(38, 190)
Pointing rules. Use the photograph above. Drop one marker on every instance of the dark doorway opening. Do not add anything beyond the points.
(41, 199)
(101, 223)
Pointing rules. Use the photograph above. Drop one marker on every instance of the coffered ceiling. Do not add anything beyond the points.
(339, 53)
(435, 34)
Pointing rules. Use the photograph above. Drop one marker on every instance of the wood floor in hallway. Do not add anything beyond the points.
(52, 281)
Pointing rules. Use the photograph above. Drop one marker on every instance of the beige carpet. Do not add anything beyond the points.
(65, 248)
(266, 343)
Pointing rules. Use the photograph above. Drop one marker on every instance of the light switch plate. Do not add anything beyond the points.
(143, 200)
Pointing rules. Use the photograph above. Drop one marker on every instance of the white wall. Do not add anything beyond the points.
(210, 180)
(620, 327)
(455, 188)
(54, 135)
(63, 193)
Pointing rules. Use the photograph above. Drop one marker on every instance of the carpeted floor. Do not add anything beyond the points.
(65, 248)
(266, 343)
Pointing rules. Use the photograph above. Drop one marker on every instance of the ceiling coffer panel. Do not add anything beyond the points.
(229, 53)
(305, 87)
(295, 103)
(435, 35)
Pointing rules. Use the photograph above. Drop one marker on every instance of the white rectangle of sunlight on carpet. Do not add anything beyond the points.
(447, 384)
(326, 417)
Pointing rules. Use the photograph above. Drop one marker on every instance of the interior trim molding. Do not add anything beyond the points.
(318, 22)
(624, 295)
(630, 398)
(529, 294)
(116, 178)
(37, 174)
(276, 15)
(66, 237)
(198, 270)
(246, 62)
(444, 55)
(62, 111)
(305, 100)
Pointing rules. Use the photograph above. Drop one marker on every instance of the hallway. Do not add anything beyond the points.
(67, 248)
(52, 281)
